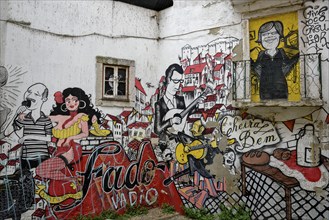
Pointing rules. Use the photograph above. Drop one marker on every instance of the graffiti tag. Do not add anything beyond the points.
(315, 28)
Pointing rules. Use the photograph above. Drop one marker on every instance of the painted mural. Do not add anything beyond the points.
(67, 163)
(274, 53)
(184, 144)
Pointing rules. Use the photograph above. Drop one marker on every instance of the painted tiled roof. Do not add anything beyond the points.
(228, 57)
(139, 86)
(211, 98)
(218, 67)
(219, 54)
(191, 120)
(148, 108)
(198, 57)
(211, 112)
(208, 131)
(218, 87)
(37, 177)
(139, 125)
(154, 135)
(114, 118)
(196, 68)
(134, 144)
(230, 107)
(3, 156)
(125, 114)
(12, 163)
(218, 106)
(39, 213)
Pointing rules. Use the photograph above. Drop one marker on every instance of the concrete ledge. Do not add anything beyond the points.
(277, 103)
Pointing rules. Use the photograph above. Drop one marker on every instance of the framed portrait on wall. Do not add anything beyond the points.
(274, 56)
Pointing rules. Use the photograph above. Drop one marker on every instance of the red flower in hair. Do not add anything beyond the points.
(59, 97)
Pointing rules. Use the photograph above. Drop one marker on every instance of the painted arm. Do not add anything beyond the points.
(289, 64)
(84, 130)
(10, 127)
(256, 66)
(159, 125)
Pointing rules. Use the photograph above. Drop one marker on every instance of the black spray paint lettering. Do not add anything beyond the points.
(250, 134)
(315, 28)
(107, 148)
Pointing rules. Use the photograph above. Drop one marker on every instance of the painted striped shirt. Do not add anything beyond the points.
(34, 148)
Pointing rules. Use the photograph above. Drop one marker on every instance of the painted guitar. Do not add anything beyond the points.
(197, 149)
(183, 113)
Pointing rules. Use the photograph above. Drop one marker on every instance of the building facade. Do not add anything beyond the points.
(200, 104)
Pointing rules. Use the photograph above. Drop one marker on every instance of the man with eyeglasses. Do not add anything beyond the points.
(170, 100)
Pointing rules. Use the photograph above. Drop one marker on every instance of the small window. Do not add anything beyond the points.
(115, 82)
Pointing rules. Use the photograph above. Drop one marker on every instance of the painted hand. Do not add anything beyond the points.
(94, 119)
(187, 149)
(20, 110)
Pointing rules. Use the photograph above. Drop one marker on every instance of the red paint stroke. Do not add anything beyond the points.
(290, 124)
(312, 174)
(116, 166)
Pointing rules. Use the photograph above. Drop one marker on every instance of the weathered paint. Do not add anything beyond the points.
(287, 40)
(220, 154)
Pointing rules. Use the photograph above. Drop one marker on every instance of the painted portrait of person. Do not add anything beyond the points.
(273, 65)
(35, 124)
(73, 115)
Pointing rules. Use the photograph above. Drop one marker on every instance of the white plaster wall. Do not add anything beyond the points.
(199, 22)
(60, 45)
(316, 25)
(195, 23)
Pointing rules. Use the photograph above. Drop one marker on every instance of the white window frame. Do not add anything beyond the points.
(115, 82)
(115, 100)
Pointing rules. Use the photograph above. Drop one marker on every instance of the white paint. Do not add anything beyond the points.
(250, 134)
(60, 62)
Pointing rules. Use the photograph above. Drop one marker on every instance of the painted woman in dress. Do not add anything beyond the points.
(73, 115)
(272, 65)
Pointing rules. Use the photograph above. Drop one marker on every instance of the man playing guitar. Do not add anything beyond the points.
(170, 100)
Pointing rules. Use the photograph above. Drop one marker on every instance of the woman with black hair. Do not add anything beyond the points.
(73, 115)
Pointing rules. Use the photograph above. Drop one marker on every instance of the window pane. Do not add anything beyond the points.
(109, 73)
(108, 82)
(122, 75)
(121, 88)
(108, 88)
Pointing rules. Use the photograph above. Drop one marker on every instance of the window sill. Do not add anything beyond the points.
(114, 103)
(278, 103)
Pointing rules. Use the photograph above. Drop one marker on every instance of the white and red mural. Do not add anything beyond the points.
(184, 145)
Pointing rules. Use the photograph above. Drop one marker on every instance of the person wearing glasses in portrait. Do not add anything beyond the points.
(169, 100)
(272, 64)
